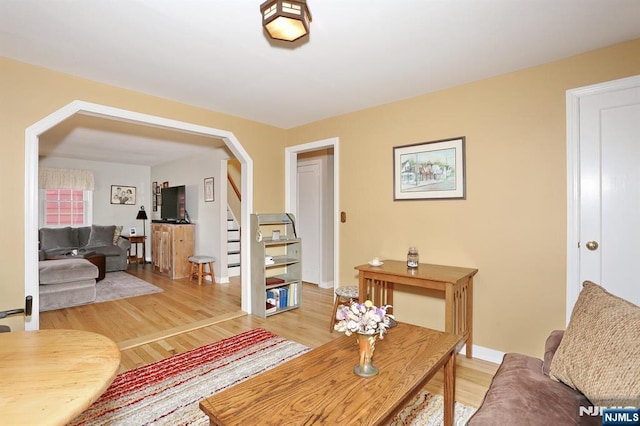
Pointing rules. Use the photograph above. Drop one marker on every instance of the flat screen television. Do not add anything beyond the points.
(173, 204)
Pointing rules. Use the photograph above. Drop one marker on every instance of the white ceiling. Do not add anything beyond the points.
(360, 53)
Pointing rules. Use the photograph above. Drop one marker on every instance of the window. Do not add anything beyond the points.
(66, 207)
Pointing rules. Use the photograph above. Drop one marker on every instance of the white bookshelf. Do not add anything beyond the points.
(277, 259)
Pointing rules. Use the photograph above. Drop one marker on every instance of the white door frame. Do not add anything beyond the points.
(573, 178)
(290, 182)
(32, 134)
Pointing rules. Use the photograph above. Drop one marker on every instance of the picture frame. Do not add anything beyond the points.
(154, 194)
(430, 170)
(208, 190)
(124, 195)
(132, 232)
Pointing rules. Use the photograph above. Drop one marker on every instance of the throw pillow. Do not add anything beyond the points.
(101, 236)
(599, 353)
(116, 234)
(55, 238)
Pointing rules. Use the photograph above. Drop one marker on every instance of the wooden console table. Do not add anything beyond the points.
(49, 377)
(457, 284)
(320, 387)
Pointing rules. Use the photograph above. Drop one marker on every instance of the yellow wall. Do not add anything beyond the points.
(512, 225)
(28, 94)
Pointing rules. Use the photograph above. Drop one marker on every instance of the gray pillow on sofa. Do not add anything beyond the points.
(101, 236)
(54, 238)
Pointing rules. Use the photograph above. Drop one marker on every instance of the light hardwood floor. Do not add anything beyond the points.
(186, 316)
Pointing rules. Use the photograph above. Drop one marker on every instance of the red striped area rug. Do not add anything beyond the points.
(168, 392)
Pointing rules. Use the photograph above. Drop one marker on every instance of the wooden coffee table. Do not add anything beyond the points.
(320, 387)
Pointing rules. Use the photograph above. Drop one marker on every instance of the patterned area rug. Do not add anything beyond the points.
(426, 410)
(168, 392)
(120, 285)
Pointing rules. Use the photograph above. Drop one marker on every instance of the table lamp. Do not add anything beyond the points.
(142, 215)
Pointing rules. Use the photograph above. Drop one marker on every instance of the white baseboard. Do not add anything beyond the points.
(219, 280)
(326, 284)
(485, 354)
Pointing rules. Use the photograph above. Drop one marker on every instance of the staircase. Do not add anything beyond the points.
(233, 245)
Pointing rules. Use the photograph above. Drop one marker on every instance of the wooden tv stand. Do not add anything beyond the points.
(171, 246)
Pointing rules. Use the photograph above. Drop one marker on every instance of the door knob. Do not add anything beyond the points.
(592, 245)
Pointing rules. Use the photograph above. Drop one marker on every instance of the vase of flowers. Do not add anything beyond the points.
(367, 322)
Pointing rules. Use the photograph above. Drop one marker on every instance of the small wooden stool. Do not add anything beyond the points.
(197, 268)
(345, 293)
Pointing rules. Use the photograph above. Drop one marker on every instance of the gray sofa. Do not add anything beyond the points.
(57, 241)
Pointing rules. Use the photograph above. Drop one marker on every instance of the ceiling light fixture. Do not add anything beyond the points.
(285, 20)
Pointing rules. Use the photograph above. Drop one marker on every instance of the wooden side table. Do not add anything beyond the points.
(135, 257)
(377, 283)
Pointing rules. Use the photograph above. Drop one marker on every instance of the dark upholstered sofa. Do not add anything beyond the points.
(101, 239)
(593, 364)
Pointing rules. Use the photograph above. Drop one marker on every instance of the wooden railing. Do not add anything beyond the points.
(234, 186)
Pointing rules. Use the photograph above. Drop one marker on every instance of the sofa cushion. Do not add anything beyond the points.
(101, 235)
(599, 353)
(521, 394)
(109, 250)
(55, 238)
(83, 235)
(66, 270)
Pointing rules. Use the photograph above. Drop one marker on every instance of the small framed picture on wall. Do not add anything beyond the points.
(123, 194)
(208, 190)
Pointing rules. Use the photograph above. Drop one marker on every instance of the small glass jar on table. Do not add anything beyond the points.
(412, 258)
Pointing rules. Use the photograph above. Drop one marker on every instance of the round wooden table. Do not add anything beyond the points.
(51, 376)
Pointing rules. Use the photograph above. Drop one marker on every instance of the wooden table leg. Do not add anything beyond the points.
(469, 318)
(362, 290)
(449, 309)
(449, 389)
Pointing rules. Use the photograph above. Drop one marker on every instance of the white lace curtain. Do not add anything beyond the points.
(65, 179)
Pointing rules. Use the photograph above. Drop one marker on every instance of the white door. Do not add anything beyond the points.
(309, 218)
(609, 190)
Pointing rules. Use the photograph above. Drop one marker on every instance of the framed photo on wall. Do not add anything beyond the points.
(121, 194)
(154, 195)
(430, 170)
(208, 190)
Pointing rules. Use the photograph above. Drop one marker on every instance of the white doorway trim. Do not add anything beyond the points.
(32, 134)
(290, 183)
(573, 179)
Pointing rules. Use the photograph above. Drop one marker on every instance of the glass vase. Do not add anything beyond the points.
(366, 346)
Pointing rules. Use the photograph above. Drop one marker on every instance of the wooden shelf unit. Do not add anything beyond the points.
(286, 267)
